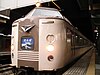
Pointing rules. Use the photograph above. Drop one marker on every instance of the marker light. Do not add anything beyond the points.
(50, 48)
(12, 47)
(38, 4)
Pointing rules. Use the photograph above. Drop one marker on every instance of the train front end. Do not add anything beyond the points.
(39, 42)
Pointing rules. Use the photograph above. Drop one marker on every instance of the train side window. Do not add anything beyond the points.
(81, 41)
(69, 36)
(78, 41)
(27, 43)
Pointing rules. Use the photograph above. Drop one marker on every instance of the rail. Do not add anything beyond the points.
(6, 69)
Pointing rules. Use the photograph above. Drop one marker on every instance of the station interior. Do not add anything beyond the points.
(83, 14)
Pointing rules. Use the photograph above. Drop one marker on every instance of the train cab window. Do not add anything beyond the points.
(45, 12)
(27, 43)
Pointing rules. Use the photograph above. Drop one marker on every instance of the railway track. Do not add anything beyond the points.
(6, 70)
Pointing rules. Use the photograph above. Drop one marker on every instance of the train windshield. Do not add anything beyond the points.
(48, 12)
(27, 43)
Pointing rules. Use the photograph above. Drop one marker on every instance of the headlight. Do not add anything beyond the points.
(50, 47)
(38, 4)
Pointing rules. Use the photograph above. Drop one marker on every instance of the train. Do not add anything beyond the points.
(45, 40)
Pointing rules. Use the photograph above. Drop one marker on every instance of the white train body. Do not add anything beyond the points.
(44, 41)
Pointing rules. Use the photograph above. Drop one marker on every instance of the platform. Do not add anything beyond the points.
(84, 66)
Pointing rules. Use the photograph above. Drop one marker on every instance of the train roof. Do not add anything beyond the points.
(44, 11)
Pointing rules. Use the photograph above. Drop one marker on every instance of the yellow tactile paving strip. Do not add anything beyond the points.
(91, 68)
